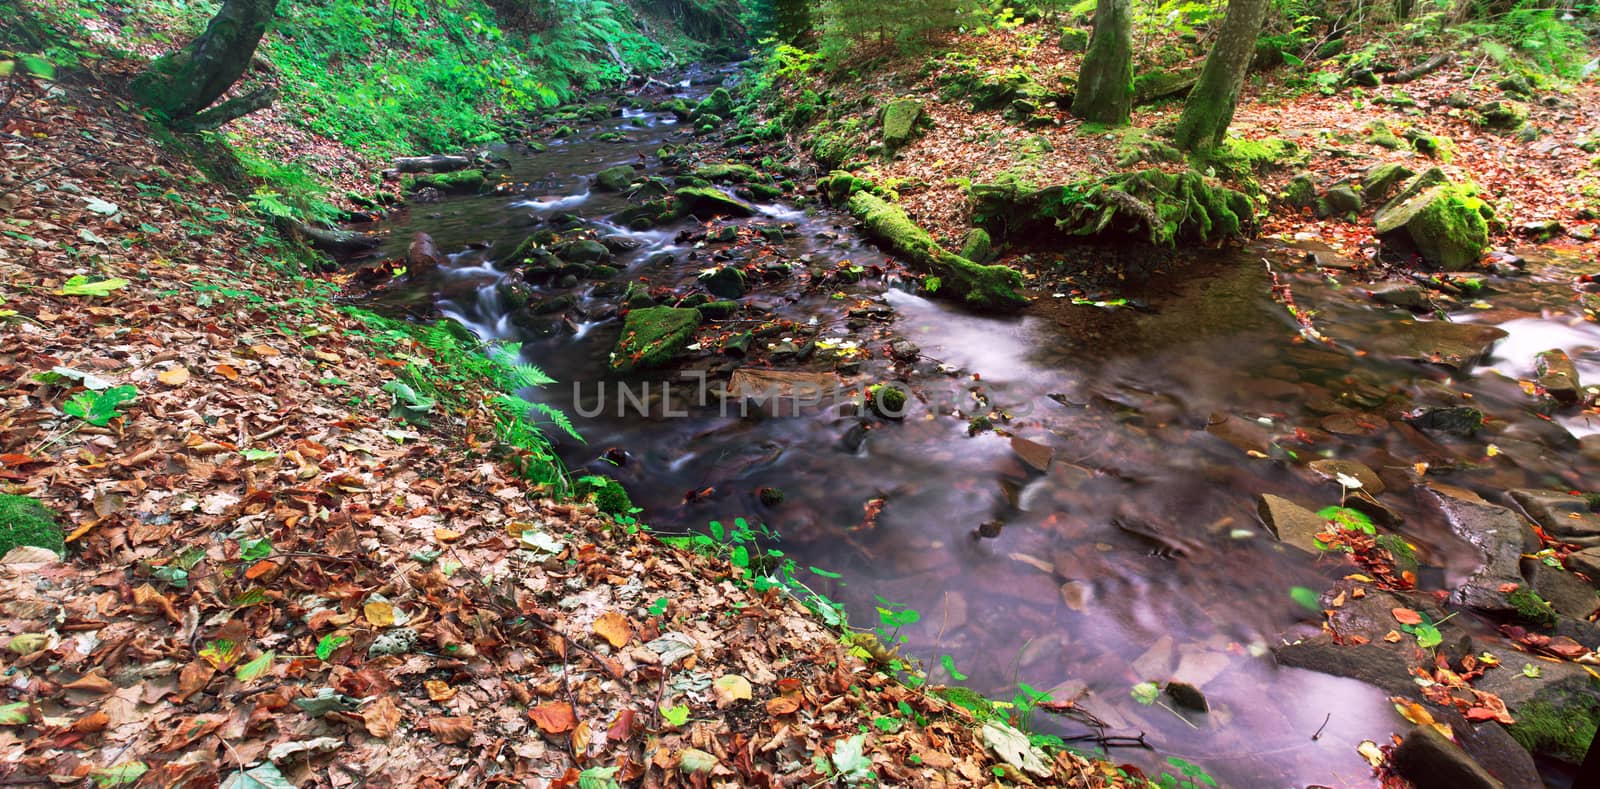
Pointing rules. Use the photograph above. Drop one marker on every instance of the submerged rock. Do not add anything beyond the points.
(614, 179)
(1458, 346)
(725, 282)
(1458, 420)
(1497, 533)
(652, 336)
(1558, 376)
(1291, 523)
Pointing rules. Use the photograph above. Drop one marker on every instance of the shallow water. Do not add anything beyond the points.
(1136, 555)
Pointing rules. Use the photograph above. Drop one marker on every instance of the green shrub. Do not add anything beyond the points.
(608, 494)
(24, 521)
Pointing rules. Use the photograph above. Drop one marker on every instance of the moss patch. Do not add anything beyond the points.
(985, 287)
(1562, 732)
(24, 521)
(460, 182)
(727, 172)
(706, 202)
(652, 336)
(1447, 225)
(899, 121)
(1158, 207)
(607, 494)
(1531, 608)
(1242, 158)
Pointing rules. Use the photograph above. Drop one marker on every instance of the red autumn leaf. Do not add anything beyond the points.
(451, 730)
(622, 727)
(553, 718)
(1406, 616)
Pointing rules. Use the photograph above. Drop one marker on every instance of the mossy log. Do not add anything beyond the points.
(984, 287)
(1158, 207)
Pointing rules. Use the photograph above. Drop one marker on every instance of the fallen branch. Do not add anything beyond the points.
(437, 163)
(258, 99)
(1419, 71)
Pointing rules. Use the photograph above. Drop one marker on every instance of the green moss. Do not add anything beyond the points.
(1241, 158)
(1380, 180)
(615, 179)
(719, 104)
(1503, 115)
(607, 494)
(887, 400)
(458, 182)
(726, 171)
(652, 336)
(899, 121)
(1445, 224)
(706, 201)
(1531, 608)
(970, 700)
(837, 187)
(1301, 192)
(24, 521)
(1562, 732)
(977, 246)
(759, 192)
(1378, 134)
(1405, 557)
(985, 287)
(1163, 208)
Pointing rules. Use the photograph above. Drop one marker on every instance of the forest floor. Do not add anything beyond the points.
(268, 572)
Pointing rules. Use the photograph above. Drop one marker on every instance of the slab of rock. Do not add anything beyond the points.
(1331, 468)
(1245, 435)
(1382, 668)
(1291, 523)
(1562, 515)
(1567, 593)
(1558, 376)
(1497, 533)
(614, 179)
(1445, 225)
(1586, 561)
(1457, 346)
(1033, 453)
(1431, 761)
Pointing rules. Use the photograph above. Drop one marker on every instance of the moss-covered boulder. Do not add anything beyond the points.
(1381, 179)
(1242, 158)
(725, 282)
(718, 104)
(899, 122)
(585, 251)
(1073, 39)
(1339, 200)
(24, 521)
(706, 202)
(1300, 192)
(1153, 85)
(727, 172)
(1446, 225)
(652, 336)
(460, 182)
(647, 215)
(1379, 134)
(977, 246)
(984, 287)
(1155, 206)
(614, 179)
(1508, 115)
(837, 187)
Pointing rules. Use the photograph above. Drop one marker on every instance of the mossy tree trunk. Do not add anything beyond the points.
(1209, 108)
(180, 84)
(792, 19)
(1105, 80)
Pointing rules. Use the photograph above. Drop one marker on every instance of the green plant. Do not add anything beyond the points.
(1190, 776)
(24, 521)
(99, 408)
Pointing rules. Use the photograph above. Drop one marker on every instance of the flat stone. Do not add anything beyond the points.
(1558, 376)
(1331, 468)
(1033, 453)
(1382, 668)
(1567, 593)
(1291, 523)
(1458, 346)
(1243, 434)
(1400, 294)
(1562, 515)
(1431, 761)
(1586, 561)
(1493, 748)
(1497, 533)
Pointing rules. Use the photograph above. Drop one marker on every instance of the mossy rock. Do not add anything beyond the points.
(24, 521)
(727, 172)
(1339, 200)
(759, 192)
(983, 287)
(1158, 207)
(899, 122)
(1381, 179)
(1562, 732)
(652, 336)
(583, 251)
(1241, 158)
(1447, 225)
(1378, 134)
(460, 182)
(837, 187)
(1509, 115)
(706, 202)
(1152, 85)
(718, 310)
(977, 246)
(607, 494)
(615, 179)
(1413, 186)
(1300, 192)
(719, 103)
(1531, 608)
(832, 150)
(1073, 39)
(647, 215)
(725, 282)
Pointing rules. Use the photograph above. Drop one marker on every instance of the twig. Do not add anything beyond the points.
(1324, 725)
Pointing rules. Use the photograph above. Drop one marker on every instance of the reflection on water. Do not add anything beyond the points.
(1135, 554)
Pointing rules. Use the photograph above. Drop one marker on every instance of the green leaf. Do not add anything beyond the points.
(79, 285)
(824, 573)
(255, 668)
(949, 664)
(117, 775)
(676, 715)
(1428, 636)
(265, 776)
(658, 607)
(598, 778)
(98, 409)
(329, 644)
(1146, 692)
(1528, 670)
(14, 714)
(1307, 598)
(258, 455)
(254, 550)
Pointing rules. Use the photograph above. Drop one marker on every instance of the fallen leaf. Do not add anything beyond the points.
(380, 614)
(1370, 751)
(730, 688)
(177, 376)
(553, 718)
(438, 690)
(451, 730)
(1406, 616)
(613, 627)
(381, 718)
(782, 705)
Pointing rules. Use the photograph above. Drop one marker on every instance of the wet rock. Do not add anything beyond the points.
(1555, 714)
(1586, 561)
(1457, 346)
(738, 345)
(723, 235)
(1431, 761)
(1400, 294)
(583, 251)
(726, 172)
(1291, 523)
(904, 350)
(770, 497)
(724, 282)
(1562, 515)
(422, 257)
(706, 202)
(1381, 179)
(1457, 420)
(620, 244)
(1497, 533)
(614, 179)
(555, 304)
(718, 310)
(784, 352)
(1446, 225)
(1187, 696)
(1369, 663)
(1339, 200)
(1242, 434)
(1036, 455)
(1558, 376)
(1568, 594)
(652, 336)
(1331, 468)
(1542, 230)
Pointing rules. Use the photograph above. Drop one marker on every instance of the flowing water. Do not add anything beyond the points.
(1136, 554)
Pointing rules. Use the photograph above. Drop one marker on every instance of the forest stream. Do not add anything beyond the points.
(1116, 496)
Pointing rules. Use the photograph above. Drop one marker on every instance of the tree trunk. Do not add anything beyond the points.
(182, 83)
(792, 18)
(1105, 80)
(1209, 108)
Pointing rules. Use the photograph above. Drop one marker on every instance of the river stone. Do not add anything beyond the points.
(1375, 665)
(1402, 294)
(1458, 346)
(1457, 420)
(652, 336)
(1586, 561)
(614, 179)
(706, 202)
(1331, 468)
(1558, 376)
(1293, 524)
(1567, 593)
(1036, 455)
(1497, 533)
(1338, 201)
(1187, 696)
(724, 282)
(1245, 435)
(1561, 515)
(1431, 761)
(584, 251)
(1444, 224)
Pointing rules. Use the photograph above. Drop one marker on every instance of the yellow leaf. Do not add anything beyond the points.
(613, 627)
(1413, 712)
(438, 690)
(729, 689)
(177, 376)
(379, 614)
(446, 535)
(1369, 750)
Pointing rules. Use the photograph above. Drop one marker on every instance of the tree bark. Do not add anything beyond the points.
(1105, 80)
(180, 84)
(437, 163)
(1210, 106)
(258, 99)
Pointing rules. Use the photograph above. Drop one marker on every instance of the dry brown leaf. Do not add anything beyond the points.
(439, 690)
(381, 717)
(553, 718)
(176, 376)
(613, 627)
(451, 730)
(1406, 616)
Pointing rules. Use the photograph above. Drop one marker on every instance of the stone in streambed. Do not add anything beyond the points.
(1498, 534)
(1457, 420)
(614, 179)
(1187, 696)
(706, 202)
(727, 173)
(1457, 346)
(724, 282)
(1558, 376)
(1586, 561)
(1431, 761)
(1568, 594)
(1562, 515)
(652, 336)
(1401, 294)
(1291, 523)
(1036, 455)
(1332, 468)
(1446, 225)
(583, 251)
